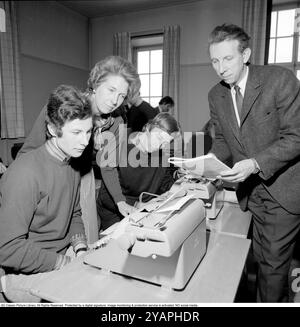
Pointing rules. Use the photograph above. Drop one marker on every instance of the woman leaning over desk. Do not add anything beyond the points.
(111, 81)
(142, 166)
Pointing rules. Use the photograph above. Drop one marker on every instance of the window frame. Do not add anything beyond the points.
(149, 47)
(294, 64)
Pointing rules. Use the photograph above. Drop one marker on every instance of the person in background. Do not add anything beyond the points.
(142, 167)
(139, 113)
(111, 81)
(40, 215)
(255, 111)
(166, 104)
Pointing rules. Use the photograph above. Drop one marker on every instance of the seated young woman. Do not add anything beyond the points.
(142, 166)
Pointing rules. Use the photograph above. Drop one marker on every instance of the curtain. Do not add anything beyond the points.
(171, 64)
(122, 45)
(256, 22)
(12, 121)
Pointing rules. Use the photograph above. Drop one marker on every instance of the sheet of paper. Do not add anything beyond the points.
(176, 204)
(204, 166)
(230, 196)
(116, 229)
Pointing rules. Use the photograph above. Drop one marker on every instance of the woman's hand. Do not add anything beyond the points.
(125, 209)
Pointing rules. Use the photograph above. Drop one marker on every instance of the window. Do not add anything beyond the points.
(148, 58)
(284, 47)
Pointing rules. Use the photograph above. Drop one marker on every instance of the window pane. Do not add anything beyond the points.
(284, 49)
(154, 101)
(273, 24)
(156, 61)
(297, 20)
(149, 65)
(298, 74)
(144, 85)
(143, 62)
(271, 51)
(156, 84)
(286, 20)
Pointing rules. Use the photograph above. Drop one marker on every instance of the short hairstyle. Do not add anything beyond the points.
(227, 32)
(66, 103)
(164, 121)
(167, 100)
(115, 65)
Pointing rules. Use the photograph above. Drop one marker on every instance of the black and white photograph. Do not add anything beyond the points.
(150, 157)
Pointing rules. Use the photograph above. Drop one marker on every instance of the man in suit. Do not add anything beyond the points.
(256, 114)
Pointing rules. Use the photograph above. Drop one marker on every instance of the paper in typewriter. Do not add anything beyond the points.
(172, 203)
(206, 166)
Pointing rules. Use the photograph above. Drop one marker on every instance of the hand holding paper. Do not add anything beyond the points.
(208, 166)
(240, 171)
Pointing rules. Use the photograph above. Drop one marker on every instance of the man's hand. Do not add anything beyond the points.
(125, 209)
(213, 155)
(239, 172)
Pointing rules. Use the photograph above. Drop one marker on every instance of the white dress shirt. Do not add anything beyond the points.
(242, 86)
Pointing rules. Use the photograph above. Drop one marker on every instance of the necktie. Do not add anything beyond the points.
(238, 99)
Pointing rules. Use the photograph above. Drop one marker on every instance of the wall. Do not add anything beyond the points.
(54, 50)
(196, 19)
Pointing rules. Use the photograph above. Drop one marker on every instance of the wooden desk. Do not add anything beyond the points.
(215, 280)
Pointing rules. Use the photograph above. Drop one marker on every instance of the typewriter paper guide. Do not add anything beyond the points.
(204, 166)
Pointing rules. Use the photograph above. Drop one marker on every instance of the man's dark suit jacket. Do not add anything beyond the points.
(269, 132)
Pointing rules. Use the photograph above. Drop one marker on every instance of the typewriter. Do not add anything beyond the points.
(211, 192)
(162, 242)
